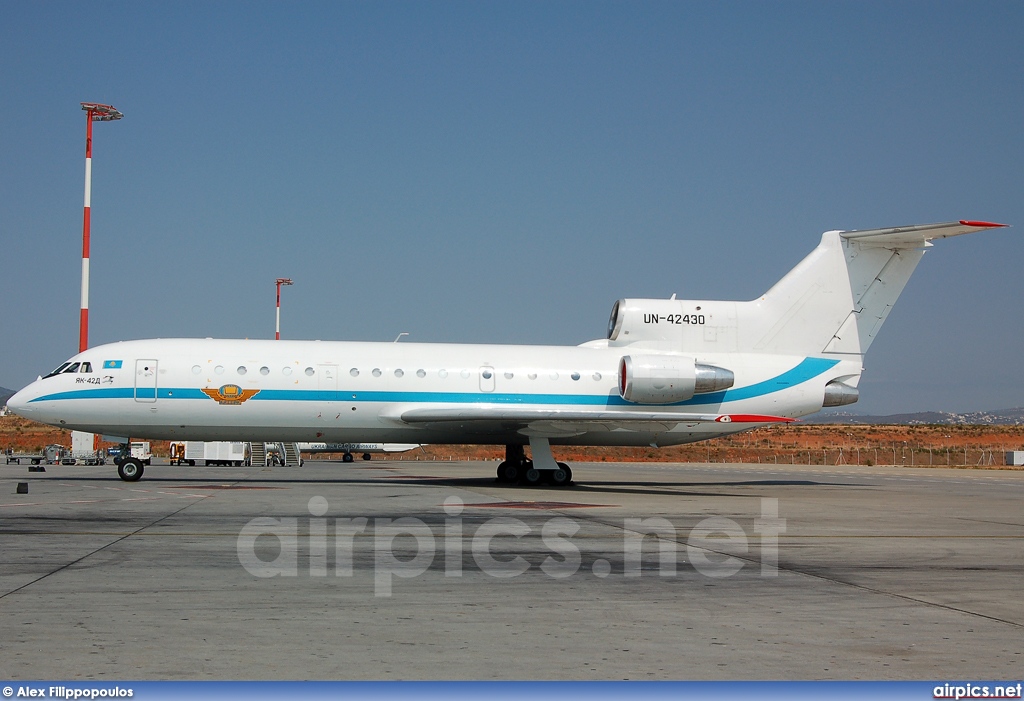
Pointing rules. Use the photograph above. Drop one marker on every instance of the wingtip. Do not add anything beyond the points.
(753, 419)
(982, 224)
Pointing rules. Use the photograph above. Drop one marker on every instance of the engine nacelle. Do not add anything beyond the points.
(840, 394)
(661, 379)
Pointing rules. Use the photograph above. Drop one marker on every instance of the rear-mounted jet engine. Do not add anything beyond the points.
(666, 379)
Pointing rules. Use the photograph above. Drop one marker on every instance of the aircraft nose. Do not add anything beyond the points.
(19, 403)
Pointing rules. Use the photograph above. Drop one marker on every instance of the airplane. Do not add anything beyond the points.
(347, 449)
(669, 371)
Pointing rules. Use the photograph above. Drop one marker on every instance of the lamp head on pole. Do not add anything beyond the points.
(101, 113)
(280, 281)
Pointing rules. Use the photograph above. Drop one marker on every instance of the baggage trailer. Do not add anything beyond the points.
(53, 453)
(31, 458)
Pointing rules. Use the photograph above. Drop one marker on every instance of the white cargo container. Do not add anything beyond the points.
(212, 453)
(1015, 457)
(83, 444)
(83, 450)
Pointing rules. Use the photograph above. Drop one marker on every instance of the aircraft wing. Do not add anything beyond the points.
(916, 236)
(567, 423)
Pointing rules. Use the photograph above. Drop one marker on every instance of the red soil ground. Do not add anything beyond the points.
(937, 445)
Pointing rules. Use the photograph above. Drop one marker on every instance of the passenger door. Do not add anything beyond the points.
(145, 380)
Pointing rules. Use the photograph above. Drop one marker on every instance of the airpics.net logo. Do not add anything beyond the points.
(405, 548)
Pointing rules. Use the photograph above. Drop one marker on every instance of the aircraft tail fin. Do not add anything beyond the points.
(837, 298)
(832, 303)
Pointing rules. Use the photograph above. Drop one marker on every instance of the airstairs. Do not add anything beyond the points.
(259, 453)
(292, 456)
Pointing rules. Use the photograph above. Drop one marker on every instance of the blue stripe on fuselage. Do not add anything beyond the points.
(105, 393)
(123, 393)
(807, 369)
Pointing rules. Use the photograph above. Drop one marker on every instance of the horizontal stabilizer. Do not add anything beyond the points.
(916, 236)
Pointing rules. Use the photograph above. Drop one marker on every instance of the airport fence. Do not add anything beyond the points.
(892, 455)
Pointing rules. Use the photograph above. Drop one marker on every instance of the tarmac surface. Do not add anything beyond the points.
(249, 573)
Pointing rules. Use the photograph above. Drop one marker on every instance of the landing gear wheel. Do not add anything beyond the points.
(366, 456)
(347, 457)
(501, 471)
(130, 470)
(532, 476)
(510, 471)
(560, 477)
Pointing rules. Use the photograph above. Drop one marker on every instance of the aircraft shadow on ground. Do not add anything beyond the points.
(696, 489)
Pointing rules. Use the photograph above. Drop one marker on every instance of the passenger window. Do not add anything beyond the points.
(421, 373)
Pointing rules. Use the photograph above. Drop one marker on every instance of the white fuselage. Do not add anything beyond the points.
(207, 389)
(670, 371)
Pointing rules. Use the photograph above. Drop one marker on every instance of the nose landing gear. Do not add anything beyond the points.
(130, 469)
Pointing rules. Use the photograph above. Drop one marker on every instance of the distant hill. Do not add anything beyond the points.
(1001, 417)
(5, 394)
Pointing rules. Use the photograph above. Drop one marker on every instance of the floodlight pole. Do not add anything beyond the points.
(94, 113)
(280, 281)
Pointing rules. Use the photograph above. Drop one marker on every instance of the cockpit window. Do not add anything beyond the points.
(69, 367)
(59, 370)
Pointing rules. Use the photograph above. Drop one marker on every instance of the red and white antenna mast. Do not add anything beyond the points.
(94, 113)
(280, 281)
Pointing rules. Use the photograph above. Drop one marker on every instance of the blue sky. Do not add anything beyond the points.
(504, 171)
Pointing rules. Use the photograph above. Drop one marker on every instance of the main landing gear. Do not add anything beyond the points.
(516, 468)
(349, 457)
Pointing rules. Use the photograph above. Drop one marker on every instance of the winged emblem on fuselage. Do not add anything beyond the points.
(231, 395)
